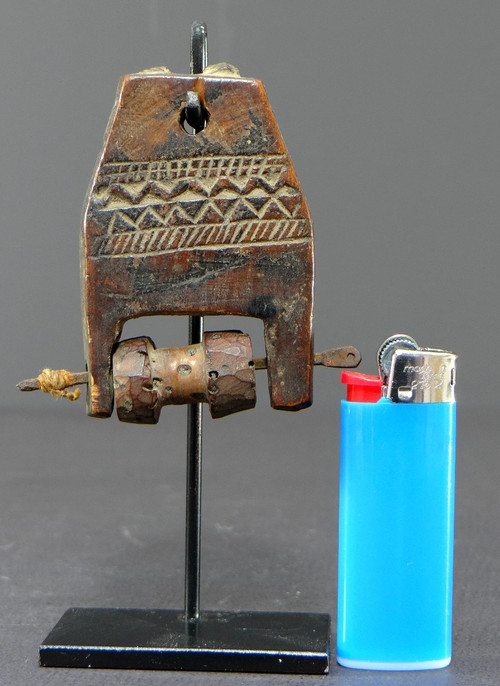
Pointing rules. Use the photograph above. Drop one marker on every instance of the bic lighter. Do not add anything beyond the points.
(397, 479)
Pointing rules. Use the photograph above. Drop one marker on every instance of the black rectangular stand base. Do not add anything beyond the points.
(277, 642)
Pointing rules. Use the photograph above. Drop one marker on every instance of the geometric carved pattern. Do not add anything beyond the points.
(156, 241)
(158, 206)
(205, 169)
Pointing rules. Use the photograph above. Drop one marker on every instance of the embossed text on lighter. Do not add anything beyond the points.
(397, 482)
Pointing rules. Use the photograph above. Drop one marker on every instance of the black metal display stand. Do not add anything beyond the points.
(293, 643)
(281, 642)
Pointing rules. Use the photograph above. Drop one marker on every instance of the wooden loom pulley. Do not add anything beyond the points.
(194, 208)
(208, 221)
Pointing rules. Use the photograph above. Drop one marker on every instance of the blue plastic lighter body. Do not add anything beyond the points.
(397, 483)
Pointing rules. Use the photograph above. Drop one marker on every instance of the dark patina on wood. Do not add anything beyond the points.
(208, 224)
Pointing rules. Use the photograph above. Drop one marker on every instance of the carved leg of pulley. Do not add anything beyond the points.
(287, 336)
(101, 335)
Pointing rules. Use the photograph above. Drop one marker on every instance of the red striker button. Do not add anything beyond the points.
(362, 388)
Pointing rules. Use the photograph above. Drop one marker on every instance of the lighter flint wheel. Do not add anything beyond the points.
(384, 354)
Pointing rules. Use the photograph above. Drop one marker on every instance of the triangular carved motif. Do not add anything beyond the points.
(206, 183)
(291, 203)
(258, 202)
(192, 209)
(275, 209)
(242, 210)
(131, 191)
(272, 179)
(225, 207)
(240, 182)
(176, 215)
(149, 219)
(210, 215)
(165, 187)
(120, 223)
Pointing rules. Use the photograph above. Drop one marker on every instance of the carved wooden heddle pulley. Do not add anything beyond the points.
(207, 221)
(194, 208)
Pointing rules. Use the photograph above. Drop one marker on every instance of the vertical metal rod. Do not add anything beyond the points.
(198, 47)
(194, 415)
(193, 493)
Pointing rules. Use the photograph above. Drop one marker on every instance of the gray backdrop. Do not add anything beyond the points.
(390, 112)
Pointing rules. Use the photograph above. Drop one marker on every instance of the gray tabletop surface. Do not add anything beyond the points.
(390, 111)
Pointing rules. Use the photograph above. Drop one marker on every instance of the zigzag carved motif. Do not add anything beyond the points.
(194, 210)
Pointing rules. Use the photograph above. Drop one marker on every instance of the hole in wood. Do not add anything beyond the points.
(194, 121)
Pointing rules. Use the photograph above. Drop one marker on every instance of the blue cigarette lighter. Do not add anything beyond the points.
(397, 480)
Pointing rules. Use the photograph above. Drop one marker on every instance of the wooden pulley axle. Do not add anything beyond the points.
(219, 371)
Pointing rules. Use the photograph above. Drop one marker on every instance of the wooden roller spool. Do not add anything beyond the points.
(218, 371)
